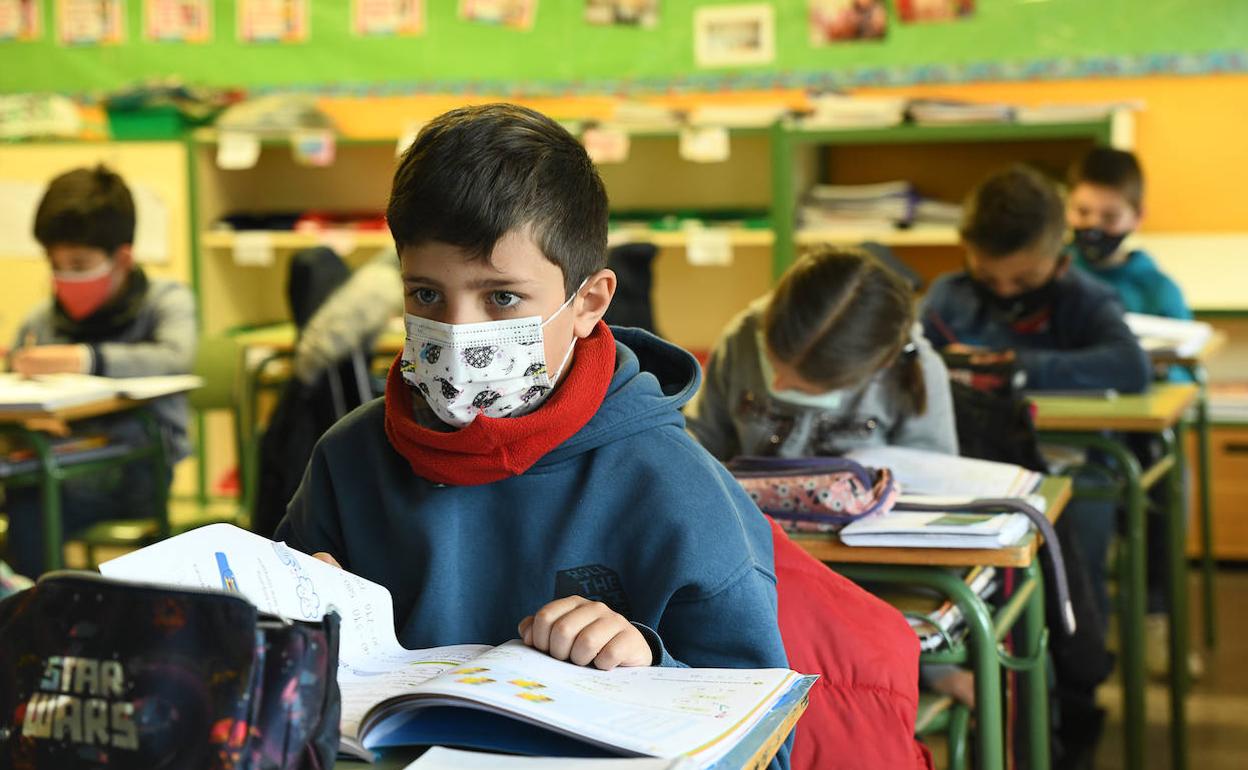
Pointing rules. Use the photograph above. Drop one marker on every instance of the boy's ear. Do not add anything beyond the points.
(592, 303)
(123, 257)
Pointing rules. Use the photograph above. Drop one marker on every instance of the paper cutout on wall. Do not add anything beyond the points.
(734, 35)
(272, 21)
(606, 144)
(836, 21)
(622, 13)
(21, 20)
(178, 21)
(313, 147)
(919, 11)
(517, 14)
(90, 22)
(708, 246)
(388, 18)
(151, 225)
(18, 201)
(704, 144)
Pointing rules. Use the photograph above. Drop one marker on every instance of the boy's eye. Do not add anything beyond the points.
(504, 298)
(425, 296)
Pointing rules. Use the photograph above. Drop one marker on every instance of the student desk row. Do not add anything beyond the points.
(930, 568)
(755, 749)
(31, 428)
(1093, 424)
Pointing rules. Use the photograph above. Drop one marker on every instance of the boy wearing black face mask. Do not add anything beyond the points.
(1103, 209)
(1019, 297)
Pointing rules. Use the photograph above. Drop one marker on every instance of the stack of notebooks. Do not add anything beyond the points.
(508, 698)
(930, 112)
(841, 111)
(1228, 402)
(882, 205)
(935, 479)
(946, 621)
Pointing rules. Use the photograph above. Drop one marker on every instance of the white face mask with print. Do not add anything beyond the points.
(829, 401)
(494, 368)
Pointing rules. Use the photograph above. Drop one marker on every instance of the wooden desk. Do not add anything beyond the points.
(1090, 424)
(1023, 613)
(755, 750)
(52, 470)
(1152, 412)
(1057, 491)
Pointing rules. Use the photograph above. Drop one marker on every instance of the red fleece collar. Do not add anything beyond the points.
(491, 449)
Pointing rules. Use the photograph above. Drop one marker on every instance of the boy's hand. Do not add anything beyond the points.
(50, 359)
(583, 632)
(331, 561)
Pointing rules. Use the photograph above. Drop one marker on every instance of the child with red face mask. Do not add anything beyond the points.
(105, 317)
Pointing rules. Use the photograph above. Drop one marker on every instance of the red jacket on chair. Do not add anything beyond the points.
(862, 709)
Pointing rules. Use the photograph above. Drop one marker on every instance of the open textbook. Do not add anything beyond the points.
(49, 392)
(1176, 337)
(920, 472)
(473, 696)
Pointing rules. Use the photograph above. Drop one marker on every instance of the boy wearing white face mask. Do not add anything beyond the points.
(828, 362)
(105, 317)
(527, 473)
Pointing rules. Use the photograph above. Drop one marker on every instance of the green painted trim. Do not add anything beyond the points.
(1226, 312)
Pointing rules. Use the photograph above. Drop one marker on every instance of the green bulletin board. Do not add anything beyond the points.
(1005, 39)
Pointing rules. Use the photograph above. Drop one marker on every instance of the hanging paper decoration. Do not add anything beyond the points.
(388, 18)
(623, 13)
(178, 21)
(273, 21)
(517, 14)
(21, 20)
(836, 21)
(919, 11)
(90, 22)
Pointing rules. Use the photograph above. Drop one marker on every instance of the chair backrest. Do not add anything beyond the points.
(218, 360)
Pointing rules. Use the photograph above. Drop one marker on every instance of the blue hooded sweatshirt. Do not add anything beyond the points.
(629, 511)
(1084, 344)
(1143, 288)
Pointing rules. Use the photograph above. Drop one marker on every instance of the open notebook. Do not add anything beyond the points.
(920, 472)
(49, 392)
(474, 696)
(1169, 336)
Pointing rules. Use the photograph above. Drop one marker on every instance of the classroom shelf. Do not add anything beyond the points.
(968, 132)
(740, 237)
(925, 235)
(290, 239)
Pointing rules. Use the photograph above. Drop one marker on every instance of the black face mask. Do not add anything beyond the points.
(1025, 305)
(1095, 245)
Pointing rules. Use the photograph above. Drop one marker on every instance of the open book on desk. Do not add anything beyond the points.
(922, 472)
(1162, 336)
(49, 392)
(471, 695)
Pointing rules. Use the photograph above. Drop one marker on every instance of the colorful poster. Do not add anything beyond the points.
(517, 14)
(624, 13)
(90, 22)
(835, 21)
(734, 35)
(178, 21)
(273, 21)
(21, 19)
(388, 18)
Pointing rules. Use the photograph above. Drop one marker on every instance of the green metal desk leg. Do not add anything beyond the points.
(50, 491)
(1176, 533)
(1204, 479)
(981, 644)
(1035, 680)
(959, 727)
(1132, 587)
(160, 466)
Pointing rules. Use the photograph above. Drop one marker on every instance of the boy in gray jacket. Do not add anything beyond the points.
(105, 317)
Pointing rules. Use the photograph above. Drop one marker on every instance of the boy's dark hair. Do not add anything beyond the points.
(1012, 210)
(86, 207)
(838, 316)
(476, 173)
(1116, 169)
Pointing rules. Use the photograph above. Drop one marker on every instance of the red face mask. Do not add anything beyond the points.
(83, 293)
